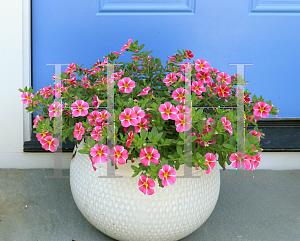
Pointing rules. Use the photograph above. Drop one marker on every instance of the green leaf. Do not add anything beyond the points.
(254, 98)
(181, 134)
(152, 165)
(83, 151)
(203, 166)
(179, 149)
(135, 174)
(92, 142)
(164, 162)
(144, 134)
(232, 140)
(136, 169)
(228, 146)
(177, 164)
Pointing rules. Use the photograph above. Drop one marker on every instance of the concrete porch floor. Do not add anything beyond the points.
(263, 208)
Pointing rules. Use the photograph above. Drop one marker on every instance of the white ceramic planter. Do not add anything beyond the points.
(119, 209)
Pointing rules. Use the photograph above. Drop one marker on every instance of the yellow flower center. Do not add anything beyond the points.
(262, 109)
(99, 152)
(127, 117)
(145, 184)
(168, 111)
(180, 96)
(149, 156)
(182, 122)
(166, 175)
(126, 85)
(118, 154)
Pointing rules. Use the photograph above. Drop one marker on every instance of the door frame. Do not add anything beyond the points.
(27, 66)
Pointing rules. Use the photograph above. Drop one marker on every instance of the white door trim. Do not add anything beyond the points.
(26, 46)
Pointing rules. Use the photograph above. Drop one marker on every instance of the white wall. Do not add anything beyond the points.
(15, 74)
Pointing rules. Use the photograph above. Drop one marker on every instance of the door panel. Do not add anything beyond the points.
(220, 32)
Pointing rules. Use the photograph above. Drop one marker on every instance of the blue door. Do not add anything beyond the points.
(264, 33)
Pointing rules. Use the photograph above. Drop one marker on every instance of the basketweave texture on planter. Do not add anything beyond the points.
(116, 207)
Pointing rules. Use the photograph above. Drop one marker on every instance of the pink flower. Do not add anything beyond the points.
(128, 117)
(149, 154)
(26, 98)
(103, 115)
(237, 159)
(146, 185)
(198, 87)
(136, 58)
(94, 117)
(183, 123)
(46, 91)
(79, 131)
(79, 108)
(202, 65)
(96, 134)
(223, 91)
(210, 161)
(121, 154)
(36, 120)
(58, 88)
(172, 58)
(126, 45)
(139, 112)
(55, 110)
(208, 125)
(186, 67)
(126, 85)
(223, 77)
(188, 54)
(144, 91)
(99, 153)
(167, 175)
(227, 125)
(148, 116)
(168, 111)
(179, 95)
(170, 78)
(100, 124)
(247, 161)
(256, 133)
(261, 109)
(42, 135)
(246, 99)
(212, 87)
(118, 75)
(71, 68)
(213, 70)
(116, 54)
(183, 109)
(255, 161)
(96, 103)
(130, 138)
(141, 124)
(49, 143)
(205, 76)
